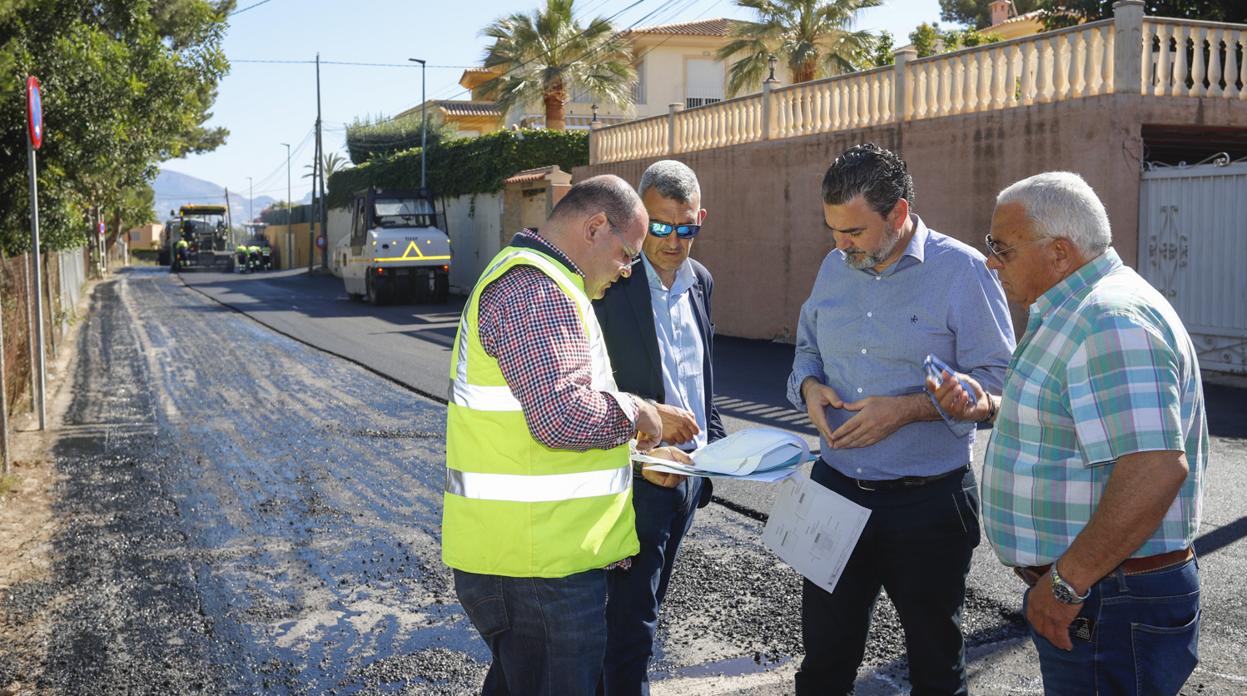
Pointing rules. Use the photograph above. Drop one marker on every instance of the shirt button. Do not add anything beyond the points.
(870, 314)
(859, 390)
(859, 469)
(863, 351)
(878, 277)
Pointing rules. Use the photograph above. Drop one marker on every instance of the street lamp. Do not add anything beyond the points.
(424, 115)
(250, 202)
(771, 61)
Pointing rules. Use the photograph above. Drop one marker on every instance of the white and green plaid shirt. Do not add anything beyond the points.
(1105, 369)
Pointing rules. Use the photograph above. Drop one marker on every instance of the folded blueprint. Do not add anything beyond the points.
(755, 454)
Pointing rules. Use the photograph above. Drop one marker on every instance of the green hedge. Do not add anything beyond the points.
(465, 166)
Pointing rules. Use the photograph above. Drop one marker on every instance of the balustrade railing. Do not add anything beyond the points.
(1194, 59)
(1128, 54)
(1053, 66)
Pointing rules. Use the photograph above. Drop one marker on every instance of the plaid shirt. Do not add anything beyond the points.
(1105, 369)
(534, 331)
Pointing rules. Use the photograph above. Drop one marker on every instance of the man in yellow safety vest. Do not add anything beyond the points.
(538, 499)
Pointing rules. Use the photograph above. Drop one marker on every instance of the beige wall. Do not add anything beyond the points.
(764, 237)
(278, 238)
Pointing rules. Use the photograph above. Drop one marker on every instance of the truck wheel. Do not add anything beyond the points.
(371, 296)
(442, 291)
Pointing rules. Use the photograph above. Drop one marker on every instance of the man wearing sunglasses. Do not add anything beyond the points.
(889, 294)
(658, 332)
(1093, 479)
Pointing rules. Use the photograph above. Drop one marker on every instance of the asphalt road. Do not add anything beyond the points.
(247, 513)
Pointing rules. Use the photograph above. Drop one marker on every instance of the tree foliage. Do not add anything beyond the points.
(814, 38)
(127, 84)
(1071, 12)
(929, 39)
(465, 165)
(977, 14)
(380, 136)
(545, 54)
(1060, 13)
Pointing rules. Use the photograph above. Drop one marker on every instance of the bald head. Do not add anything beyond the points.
(599, 225)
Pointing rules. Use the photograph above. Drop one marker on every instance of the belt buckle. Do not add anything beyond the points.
(861, 485)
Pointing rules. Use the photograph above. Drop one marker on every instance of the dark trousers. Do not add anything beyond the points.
(663, 515)
(547, 635)
(917, 545)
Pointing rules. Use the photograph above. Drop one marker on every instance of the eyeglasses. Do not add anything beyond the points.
(663, 230)
(633, 256)
(1002, 253)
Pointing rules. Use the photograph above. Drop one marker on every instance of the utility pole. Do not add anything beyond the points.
(289, 236)
(250, 200)
(424, 116)
(320, 162)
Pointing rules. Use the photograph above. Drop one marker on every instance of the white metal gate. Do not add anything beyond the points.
(1193, 248)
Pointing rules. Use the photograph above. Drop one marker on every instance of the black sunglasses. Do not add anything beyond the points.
(664, 229)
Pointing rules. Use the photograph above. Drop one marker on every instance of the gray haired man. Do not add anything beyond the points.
(656, 324)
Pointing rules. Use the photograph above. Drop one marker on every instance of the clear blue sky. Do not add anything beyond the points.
(265, 104)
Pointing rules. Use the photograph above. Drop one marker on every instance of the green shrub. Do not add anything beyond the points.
(466, 165)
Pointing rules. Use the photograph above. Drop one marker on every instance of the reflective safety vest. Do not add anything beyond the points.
(513, 506)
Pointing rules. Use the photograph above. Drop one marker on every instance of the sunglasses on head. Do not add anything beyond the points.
(664, 229)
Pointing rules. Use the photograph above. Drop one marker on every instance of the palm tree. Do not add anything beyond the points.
(813, 37)
(331, 162)
(544, 54)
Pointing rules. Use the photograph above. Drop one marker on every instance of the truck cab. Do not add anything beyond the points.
(397, 251)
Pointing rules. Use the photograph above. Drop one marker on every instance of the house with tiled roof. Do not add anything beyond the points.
(675, 64)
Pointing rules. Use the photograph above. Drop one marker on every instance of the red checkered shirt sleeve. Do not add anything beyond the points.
(533, 330)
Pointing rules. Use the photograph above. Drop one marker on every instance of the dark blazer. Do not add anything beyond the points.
(627, 317)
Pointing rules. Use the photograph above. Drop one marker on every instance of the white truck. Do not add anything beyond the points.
(396, 251)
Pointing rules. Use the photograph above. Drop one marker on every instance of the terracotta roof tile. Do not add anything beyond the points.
(705, 27)
(468, 108)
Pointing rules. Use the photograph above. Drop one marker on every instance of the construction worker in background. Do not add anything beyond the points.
(253, 257)
(240, 262)
(181, 256)
(266, 254)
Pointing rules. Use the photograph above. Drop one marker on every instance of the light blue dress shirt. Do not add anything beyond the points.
(680, 344)
(866, 334)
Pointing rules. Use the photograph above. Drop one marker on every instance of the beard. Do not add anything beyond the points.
(861, 260)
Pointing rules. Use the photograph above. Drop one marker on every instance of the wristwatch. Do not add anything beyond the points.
(1065, 592)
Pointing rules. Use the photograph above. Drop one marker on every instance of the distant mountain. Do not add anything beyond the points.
(175, 189)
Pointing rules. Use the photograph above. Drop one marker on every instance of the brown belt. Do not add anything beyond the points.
(1131, 566)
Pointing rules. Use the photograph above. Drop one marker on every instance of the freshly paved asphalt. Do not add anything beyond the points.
(411, 345)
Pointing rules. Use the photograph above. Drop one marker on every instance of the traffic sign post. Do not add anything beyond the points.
(34, 140)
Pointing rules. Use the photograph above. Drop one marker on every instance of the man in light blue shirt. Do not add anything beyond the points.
(892, 292)
(657, 329)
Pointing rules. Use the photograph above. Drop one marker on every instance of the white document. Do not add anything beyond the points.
(754, 454)
(814, 530)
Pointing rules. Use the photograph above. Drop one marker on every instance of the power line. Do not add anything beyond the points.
(344, 62)
(248, 7)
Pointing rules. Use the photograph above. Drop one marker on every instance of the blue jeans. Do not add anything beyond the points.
(663, 515)
(1140, 636)
(547, 635)
(917, 545)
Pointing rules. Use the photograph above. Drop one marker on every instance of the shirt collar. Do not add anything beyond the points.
(684, 277)
(529, 238)
(1077, 281)
(915, 250)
